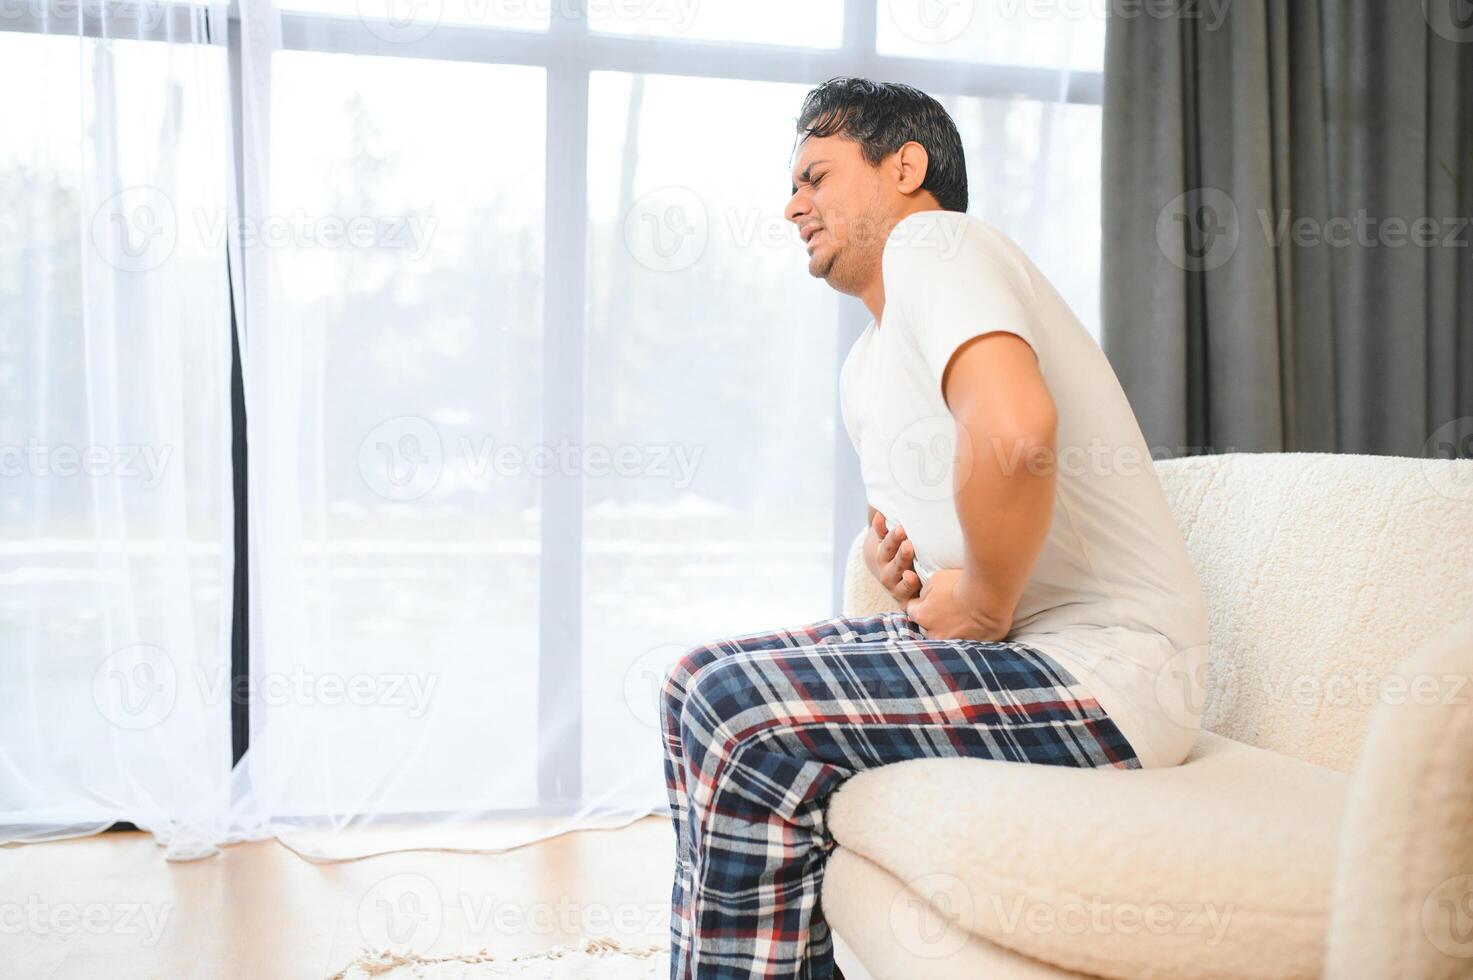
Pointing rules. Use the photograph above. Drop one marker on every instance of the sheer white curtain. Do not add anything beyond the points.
(567, 406)
(539, 395)
(116, 549)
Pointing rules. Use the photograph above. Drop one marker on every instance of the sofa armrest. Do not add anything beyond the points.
(863, 593)
(1403, 895)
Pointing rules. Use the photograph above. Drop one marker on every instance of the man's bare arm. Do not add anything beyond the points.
(1005, 476)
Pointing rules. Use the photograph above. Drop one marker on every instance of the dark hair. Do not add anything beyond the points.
(883, 116)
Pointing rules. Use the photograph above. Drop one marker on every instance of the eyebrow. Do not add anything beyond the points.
(807, 173)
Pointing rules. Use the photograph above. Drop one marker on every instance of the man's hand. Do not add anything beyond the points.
(945, 610)
(891, 559)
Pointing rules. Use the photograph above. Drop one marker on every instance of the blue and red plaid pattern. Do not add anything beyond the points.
(760, 729)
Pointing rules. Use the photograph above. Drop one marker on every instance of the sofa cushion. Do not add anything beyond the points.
(1219, 867)
(897, 934)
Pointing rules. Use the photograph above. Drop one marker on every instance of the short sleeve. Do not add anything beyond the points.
(951, 279)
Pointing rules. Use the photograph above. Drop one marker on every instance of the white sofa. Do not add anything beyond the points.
(1323, 824)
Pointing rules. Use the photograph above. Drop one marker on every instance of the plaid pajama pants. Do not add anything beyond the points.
(760, 729)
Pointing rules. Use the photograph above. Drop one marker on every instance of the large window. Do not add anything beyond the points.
(540, 390)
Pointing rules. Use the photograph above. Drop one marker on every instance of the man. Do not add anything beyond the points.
(1050, 612)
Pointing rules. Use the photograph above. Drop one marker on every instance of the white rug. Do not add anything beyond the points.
(604, 959)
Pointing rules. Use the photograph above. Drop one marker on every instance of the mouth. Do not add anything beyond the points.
(811, 237)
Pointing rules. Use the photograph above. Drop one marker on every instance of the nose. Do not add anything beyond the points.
(798, 207)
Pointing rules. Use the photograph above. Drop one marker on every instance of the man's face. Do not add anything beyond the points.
(840, 207)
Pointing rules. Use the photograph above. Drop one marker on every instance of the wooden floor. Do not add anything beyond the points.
(110, 906)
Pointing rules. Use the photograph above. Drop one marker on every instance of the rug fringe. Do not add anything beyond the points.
(374, 962)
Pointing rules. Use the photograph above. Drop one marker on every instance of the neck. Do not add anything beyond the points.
(873, 297)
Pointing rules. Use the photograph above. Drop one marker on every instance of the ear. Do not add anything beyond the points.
(912, 161)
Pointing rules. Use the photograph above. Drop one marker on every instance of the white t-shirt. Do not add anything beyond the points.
(1113, 596)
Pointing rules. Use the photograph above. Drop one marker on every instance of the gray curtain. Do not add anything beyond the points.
(1336, 124)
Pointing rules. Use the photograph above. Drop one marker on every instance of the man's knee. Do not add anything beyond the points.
(677, 681)
(722, 694)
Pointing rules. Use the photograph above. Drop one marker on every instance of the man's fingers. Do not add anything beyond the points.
(878, 525)
(902, 558)
(891, 543)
